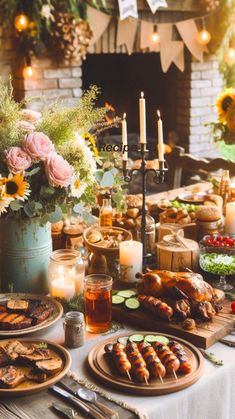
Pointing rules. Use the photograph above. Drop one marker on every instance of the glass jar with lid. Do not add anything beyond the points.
(150, 232)
(66, 274)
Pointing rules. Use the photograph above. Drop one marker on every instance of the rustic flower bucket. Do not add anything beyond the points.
(25, 248)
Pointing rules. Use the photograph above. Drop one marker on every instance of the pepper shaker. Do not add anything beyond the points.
(74, 329)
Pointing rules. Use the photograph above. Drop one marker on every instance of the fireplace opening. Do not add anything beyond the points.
(122, 78)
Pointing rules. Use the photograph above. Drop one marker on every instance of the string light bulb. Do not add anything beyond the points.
(28, 70)
(21, 22)
(230, 55)
(155, 35)
(203, 36)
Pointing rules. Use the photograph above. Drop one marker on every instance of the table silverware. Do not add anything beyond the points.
(91, 397)
(210, 356)
(228, 342)
(87, 411)
(67, 411)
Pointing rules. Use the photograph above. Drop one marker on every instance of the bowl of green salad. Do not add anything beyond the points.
(217, 256)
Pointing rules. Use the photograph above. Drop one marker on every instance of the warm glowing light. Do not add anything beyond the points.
(230, 56)
(155, 38)
(124, 116)
(21, 22)
(159, 114)
(28, 71)
(203, 37)
(142, 95)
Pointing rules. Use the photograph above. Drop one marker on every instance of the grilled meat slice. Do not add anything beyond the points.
(37, 355)
(3, 307)
(17, 305)
(14, 321)
(50, 366)
(11, 376)
(4, 359)
(37, 376)
(41, 313)
(14, 349)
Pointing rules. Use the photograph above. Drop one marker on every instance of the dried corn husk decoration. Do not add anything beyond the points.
(71, 37)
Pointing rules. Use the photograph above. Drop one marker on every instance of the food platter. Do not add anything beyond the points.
(192, 198)
(56, 312)
(104, 370)
(28, 387)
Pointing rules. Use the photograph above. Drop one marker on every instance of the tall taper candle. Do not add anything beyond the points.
(124, 137)
(160, 138)
(142, 110)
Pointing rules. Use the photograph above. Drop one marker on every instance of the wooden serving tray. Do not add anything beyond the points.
(205, 334)
(101, 365)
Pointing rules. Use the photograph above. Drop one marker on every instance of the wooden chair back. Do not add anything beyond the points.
(179, 161)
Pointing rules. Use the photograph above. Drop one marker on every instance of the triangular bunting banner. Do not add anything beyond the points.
(146, 33)
(99, 22)
(155, 4)
(126, 33)
(188, 32)
(128, 8)
(172, 52)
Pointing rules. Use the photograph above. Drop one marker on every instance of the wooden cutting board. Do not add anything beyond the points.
(205, 335)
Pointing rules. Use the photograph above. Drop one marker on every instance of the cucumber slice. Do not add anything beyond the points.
(127, 293)
(136, 338)
(132, 303)
(123, 340)
(155, 338)
(117, 299)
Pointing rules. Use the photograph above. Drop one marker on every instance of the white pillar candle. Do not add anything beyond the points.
(142, 111)
(124, 137)
(63, 288)
(131, 260)
(160, 138)
(230, 218)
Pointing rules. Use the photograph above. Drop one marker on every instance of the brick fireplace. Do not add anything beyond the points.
(186, 99)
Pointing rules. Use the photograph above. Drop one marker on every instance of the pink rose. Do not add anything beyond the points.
(17, 160)
(37, 145)
(58, 171)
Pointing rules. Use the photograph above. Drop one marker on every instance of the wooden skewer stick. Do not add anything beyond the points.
(174, 373)
(128, 375)
(161, 379)
(145, 378)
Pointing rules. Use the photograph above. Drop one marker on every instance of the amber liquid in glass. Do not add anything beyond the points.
(98, 310)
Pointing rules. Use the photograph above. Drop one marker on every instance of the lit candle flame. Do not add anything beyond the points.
(142, 95)
(159, 114)
(124, 116)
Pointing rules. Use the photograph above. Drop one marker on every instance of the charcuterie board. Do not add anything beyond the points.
(205, 334)
(101, 365)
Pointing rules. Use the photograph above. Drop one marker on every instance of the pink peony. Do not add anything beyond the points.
(30, 115)
(58, 171)
(17, 160)
(37, 145)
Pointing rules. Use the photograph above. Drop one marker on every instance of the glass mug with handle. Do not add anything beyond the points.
(98, 302)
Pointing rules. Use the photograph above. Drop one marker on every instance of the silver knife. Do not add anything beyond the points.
(76, 402)
(67, 411)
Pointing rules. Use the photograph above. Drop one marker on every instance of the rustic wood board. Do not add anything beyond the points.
(205, 335)
(102, 366)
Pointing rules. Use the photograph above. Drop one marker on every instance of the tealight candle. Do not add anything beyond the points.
(230, 218)
(63, 288)
(131, 260)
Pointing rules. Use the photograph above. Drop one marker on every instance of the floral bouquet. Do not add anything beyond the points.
(224, 128)
(48, 160)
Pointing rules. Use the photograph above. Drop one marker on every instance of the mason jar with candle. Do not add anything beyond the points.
(66, 274)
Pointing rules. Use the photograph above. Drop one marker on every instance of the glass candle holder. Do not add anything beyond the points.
(66, 274)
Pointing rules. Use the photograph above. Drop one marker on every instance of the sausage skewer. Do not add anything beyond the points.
(152, 360)
(178, 350)
(137, 362)
(156, 306)
(120, 358)
(167, 357)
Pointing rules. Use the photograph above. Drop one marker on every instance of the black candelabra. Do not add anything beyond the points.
(159, 177)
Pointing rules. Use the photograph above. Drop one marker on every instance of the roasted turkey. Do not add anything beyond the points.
(176, 285)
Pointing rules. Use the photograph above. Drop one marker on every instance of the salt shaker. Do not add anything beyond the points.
(74, 329)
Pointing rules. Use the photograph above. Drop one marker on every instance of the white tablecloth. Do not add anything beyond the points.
(212, 397)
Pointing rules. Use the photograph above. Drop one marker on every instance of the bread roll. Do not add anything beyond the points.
(214, 200)
(206, 213)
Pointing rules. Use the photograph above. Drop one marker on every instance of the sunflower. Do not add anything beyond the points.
(230, 117)
(88, 137)
(223, 103)
(15, 187)
(4, 204)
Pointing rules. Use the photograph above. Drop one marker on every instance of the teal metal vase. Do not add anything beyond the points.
(25, 249)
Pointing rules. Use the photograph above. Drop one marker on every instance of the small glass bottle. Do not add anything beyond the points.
(225, 188)
(74, 329)
(150, 232)
(106, 213)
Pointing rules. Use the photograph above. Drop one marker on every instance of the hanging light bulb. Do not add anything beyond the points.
(155, 38)
(230, 55)
(203, 36)
(28, 70)
(21, 22)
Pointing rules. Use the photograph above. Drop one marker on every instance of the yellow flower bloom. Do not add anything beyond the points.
(15, 187)
(88, 137)
(230, 117)
(223, 103)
